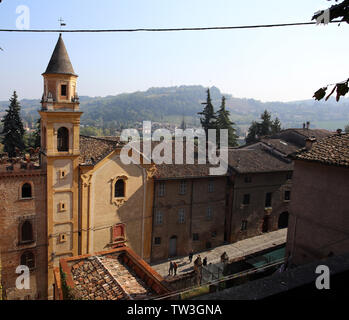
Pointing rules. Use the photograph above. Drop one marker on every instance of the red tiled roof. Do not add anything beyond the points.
(118, 274)
(333, 150)
(93, 150)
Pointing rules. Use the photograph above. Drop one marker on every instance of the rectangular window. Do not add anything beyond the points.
(158, 217)
(214, 234)
(161, 189)
(244, 225)
(62, 206)
(248, 179)
(157, 240)
(287, 195)
(289, 175)
(63, 90)
(209, 213)
(210, 186)
(195, 237)
(62, 237)
(183, 187)
(62, 173)
(268, 198)
(181, 216)
(246, 200)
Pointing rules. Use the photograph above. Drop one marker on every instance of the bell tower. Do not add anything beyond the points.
(60, 129)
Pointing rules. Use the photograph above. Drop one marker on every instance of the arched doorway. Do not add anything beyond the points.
(172, 248)
(283, 220)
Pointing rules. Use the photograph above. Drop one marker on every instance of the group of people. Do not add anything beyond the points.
(173, 268)
(197, 263)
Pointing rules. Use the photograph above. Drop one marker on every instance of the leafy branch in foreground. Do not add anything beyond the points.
(340, 10)
(342, 89)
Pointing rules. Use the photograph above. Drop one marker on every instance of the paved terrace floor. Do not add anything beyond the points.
(234, 251)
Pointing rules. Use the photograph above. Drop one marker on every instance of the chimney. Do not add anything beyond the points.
(308, 125)
(309, 143)
(303, 126)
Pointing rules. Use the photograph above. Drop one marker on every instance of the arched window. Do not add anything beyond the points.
(26, 191)
(119, 189)
(63, 139)
(28, 259)
(27, 232)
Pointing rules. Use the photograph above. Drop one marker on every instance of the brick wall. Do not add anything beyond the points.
(14, 211)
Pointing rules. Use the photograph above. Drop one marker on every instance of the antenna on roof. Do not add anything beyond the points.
(61, 23)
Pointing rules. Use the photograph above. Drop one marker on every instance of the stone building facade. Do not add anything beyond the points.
(23, 236)
(259, 193)
(188, 214)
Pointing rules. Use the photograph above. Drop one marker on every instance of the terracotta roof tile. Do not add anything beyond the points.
(93, 150)
(107, 278)
(333, 150)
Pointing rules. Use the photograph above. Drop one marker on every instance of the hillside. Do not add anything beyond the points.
(170, 104)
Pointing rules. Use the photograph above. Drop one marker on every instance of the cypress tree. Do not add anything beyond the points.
(13, 128)
(276, 126)
(37, 134)
(223, 122)
(208, 120)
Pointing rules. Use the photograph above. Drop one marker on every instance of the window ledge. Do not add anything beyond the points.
(23, 199)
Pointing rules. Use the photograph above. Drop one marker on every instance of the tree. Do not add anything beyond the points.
(37, 134)
(208, 120)
(340, 10)
(223, 122)
(13, 128)
(265, 128)
(253, 132)
(276, 126)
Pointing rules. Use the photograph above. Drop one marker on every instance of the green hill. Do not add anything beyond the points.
(170, 104)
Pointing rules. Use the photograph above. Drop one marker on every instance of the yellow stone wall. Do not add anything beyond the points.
(99, 213)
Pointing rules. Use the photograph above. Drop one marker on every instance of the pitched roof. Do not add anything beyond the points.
(257, 160)
(332, 150)
(93, 150)
(276, 144)
(60, 62)
(298, 136)
(117, 274)
(281, 145)
(309, 133)
(181, 171)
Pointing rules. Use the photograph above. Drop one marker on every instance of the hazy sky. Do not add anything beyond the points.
(270, 64)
